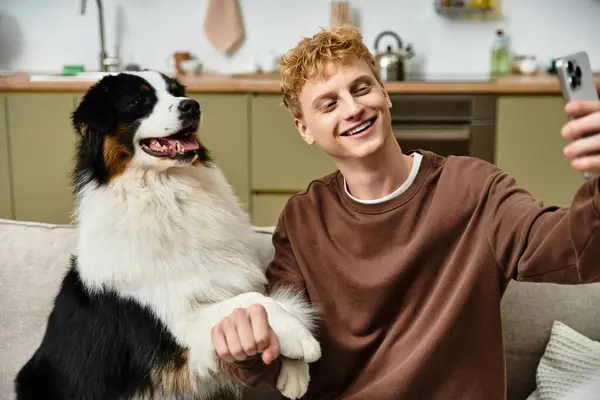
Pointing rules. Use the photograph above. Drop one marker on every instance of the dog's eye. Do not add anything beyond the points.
(137, 102)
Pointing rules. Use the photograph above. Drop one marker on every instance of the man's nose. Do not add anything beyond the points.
(352, 108)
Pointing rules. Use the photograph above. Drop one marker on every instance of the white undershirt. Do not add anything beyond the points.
(411, 177)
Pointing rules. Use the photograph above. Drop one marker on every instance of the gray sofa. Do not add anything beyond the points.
(33, 257)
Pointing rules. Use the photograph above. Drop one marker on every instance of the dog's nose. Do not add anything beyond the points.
(189, 107)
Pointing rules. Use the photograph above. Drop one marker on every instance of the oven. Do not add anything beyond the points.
(462, 125)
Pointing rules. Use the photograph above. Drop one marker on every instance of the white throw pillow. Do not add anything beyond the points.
(569, 368)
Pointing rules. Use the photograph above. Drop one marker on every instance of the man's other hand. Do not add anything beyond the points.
(584, 131)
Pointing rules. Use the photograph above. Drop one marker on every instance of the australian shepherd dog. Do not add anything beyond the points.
(164, 253)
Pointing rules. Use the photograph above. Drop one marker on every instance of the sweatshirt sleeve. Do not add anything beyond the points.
(283, 272)
(541, 243)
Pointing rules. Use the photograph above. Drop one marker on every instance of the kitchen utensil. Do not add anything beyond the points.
(391, 64)
(339, 13)
(184, 63)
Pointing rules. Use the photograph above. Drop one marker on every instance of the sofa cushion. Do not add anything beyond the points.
(569, 368)
(528, 313)
(33, 258)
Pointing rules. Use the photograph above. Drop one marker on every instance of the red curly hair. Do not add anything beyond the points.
(341, 46)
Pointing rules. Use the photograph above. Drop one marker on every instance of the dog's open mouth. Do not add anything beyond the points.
(179, 145)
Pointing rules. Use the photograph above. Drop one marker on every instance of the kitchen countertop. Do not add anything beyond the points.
(268, 83)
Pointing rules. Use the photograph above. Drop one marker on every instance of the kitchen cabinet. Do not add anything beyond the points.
(281, 161)
(282, 164)
(253, 140)
(42, 149)
(529, 146)
(225, 134)
(5, 184)
(267, 208)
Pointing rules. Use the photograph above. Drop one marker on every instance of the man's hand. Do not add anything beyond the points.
(245, 333)
(584, 130)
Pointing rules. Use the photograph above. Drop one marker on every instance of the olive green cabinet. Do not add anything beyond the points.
(281, 161)
(266, 208)
(41, 145)
(224, 132)
(529, 146)
(5, 183)
(253, 140)
(282, 164)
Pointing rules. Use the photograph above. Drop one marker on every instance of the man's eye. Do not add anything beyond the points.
(329, 105)
(362, 90)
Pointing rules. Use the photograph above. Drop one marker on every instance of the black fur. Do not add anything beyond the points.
(114, 106)
(96, 346)
(112, 102)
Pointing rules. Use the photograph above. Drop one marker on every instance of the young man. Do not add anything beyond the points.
(406, 255)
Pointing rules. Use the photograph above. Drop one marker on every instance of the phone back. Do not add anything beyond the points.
(577, 82)
(576, 77)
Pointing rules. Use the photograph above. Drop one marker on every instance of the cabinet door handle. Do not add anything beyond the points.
(432, 133)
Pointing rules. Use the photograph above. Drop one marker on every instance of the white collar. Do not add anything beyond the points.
(411, 177)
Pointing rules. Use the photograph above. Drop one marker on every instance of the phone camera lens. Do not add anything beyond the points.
(578, 72)
(570, 67)
(574, 82)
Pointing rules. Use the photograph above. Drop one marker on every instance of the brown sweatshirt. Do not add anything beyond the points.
(410, 289)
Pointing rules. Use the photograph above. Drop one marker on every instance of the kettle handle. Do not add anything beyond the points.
(387, 33)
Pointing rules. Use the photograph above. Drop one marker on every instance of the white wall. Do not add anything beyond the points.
(42, 35)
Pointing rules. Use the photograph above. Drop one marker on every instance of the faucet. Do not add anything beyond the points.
(105, 61)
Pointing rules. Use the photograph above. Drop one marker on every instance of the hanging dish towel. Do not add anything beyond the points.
(223, 25)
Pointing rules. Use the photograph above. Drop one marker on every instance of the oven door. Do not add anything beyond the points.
(447, 139)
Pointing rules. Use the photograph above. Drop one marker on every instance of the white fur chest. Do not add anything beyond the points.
(168, 239)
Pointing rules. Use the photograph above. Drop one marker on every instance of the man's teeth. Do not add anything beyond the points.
(358, 129)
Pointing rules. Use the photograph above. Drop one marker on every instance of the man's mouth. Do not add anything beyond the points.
(360, 128)
(182, 144)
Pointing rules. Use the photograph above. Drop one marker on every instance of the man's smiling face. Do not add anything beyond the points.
(346, 114)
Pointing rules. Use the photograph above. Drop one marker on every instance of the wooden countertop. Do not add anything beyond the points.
(269, 83)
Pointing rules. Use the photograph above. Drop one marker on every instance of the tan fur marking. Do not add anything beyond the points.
(173, 377)
(116, 156)
(144, 87)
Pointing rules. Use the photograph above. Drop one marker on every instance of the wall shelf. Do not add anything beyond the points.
(464, 9)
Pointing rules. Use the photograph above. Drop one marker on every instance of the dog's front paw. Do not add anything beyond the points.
(293, 379)
(299, 344)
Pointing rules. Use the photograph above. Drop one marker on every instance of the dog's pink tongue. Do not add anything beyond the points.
(187, 143)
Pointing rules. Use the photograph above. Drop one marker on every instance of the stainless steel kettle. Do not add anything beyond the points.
(391, 64)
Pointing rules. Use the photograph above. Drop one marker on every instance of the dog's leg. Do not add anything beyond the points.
(295, 339)
(293, 378)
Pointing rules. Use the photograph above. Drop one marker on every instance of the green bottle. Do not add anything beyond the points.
(500, 55)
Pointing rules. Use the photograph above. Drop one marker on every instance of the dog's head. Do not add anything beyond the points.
(136, 120)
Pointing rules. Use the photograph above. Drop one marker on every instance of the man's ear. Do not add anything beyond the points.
(387, 96)
(304, 131)
(95, 114)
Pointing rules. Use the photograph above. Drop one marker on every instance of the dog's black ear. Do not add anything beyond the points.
(95, 114)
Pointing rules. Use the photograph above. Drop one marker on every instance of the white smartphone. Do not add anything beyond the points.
(577, 81)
